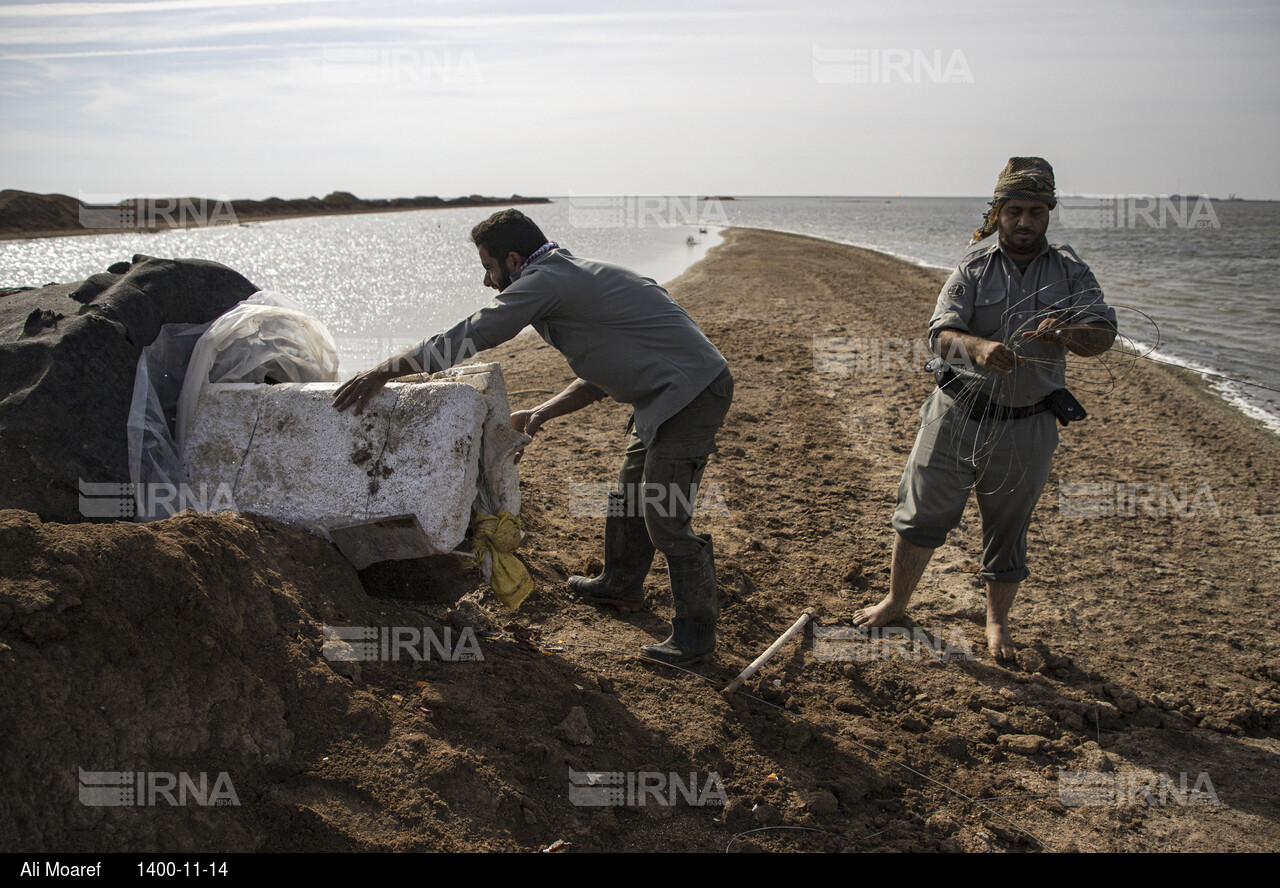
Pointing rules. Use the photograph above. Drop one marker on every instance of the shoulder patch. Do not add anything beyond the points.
(956, 290)
(1067, 252)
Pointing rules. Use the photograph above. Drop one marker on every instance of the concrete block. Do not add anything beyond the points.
(500, 487)
(416, 450)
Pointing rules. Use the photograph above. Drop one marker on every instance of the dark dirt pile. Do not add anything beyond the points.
(1147, 641)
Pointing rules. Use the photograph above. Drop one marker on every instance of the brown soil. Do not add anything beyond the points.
(1147, 640)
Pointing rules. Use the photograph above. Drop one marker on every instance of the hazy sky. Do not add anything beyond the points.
(248, 99)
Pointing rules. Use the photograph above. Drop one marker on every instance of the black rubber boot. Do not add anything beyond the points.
(628, 554)
(693, 586)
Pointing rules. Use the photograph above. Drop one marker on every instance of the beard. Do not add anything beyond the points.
(1021, 242)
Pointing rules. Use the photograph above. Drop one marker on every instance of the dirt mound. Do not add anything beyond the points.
(25, 214)
(199, 648)
(186, 647)
(22, 212)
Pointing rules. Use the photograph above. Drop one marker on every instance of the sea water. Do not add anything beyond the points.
(1197, 279)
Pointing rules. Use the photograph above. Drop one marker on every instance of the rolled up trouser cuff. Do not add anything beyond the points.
(1005, 576)
(925, 538)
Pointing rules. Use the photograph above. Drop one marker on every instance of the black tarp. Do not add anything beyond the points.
(68, 354)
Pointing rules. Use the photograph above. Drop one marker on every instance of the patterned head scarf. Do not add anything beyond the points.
(1023, 178)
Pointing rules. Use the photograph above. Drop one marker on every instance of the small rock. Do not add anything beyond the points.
(1070, 721)
(737, 815)
(942, 823)
(1056, 661)
(914, 725)
(1107, 716)
(469, 612)
(850, 704)
(997, 720)
(433, 697)
(798, 736)
(1022, 744)
(1092, 758)
(767, 815)
(1220, 724)
(575, 728)
(820, 802)
(341, 658)
(1031, 660)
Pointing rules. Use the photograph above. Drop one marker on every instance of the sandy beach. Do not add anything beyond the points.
(1147, 633)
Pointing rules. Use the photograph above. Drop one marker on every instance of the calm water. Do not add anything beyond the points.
(1207, 294)
(382, 282)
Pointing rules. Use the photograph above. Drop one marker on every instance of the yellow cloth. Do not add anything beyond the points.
(494, 538)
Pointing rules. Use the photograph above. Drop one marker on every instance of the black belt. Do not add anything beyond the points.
(983, 407)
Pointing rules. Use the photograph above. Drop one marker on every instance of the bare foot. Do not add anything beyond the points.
(1000, 642)
(881, 614)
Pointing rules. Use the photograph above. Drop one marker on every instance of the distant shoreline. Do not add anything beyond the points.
(28, 216)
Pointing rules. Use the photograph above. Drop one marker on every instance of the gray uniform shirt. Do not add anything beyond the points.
(620, 332)
(988, 297)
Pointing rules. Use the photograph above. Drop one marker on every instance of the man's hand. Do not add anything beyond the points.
(987, 354)
(996, 357)
(572, 399)
(360, 388)
(1049, 330)
(357, 390)
(1085, 340)
(527, 421)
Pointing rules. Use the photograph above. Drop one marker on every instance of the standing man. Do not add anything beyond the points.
(1004, 322)
(625, 338)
